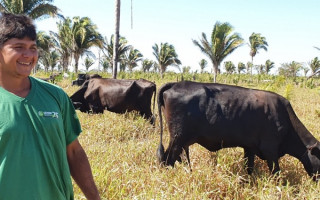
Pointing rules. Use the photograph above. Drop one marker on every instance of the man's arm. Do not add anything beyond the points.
(81, 171)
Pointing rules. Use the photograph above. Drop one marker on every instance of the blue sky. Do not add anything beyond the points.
(291, 27)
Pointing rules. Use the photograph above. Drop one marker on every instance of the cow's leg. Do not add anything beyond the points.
(148, 116)
(273, 166)
(269, 152)
(152, 120)
(249, 159)
(173, 153)
(186, 149)
(97, 109)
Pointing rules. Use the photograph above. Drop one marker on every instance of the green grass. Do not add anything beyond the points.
(122, 153)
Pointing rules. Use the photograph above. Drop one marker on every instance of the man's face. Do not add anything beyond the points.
(18, 57)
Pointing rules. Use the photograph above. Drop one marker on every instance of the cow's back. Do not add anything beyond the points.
(110, 94)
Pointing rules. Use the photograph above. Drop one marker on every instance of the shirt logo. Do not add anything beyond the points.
(48, 114)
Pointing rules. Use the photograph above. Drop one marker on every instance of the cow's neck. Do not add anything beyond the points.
(305, 136)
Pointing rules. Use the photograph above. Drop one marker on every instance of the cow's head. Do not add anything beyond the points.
(82, 76)
(314, 157)
(83, 107)
(77, 105)
(78, 99)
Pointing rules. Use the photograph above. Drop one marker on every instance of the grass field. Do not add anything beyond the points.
(122, 153)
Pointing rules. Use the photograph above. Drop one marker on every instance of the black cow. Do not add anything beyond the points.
(51, 78)
(119, 96)
(219, 116)
(83, 77)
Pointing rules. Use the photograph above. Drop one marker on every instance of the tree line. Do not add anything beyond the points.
(75, 37)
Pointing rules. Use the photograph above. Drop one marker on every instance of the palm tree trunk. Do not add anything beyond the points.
(252, 64)
(76, 67)
(65, 64)
(116, 39)
(76, 60)
(215, 72)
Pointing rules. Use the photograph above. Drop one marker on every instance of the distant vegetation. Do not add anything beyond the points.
(61, 52)
(78, 36)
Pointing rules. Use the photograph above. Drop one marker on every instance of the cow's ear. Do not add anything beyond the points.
(315, 151)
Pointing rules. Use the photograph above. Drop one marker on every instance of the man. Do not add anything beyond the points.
(38, 125)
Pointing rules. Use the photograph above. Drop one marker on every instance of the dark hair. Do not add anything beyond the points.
(16, 26)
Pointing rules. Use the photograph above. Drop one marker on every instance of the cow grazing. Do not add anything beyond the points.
(83, 77)
(219, 116)
(51, 78)
(119, 96)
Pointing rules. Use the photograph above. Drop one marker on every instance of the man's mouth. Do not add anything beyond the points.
(24, 63)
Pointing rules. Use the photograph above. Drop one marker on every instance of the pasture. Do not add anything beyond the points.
(122, 152)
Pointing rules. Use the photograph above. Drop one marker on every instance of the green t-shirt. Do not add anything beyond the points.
(34, 134)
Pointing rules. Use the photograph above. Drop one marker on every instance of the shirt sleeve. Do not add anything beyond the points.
(71, 121)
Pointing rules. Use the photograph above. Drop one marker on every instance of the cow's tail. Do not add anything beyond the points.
(154, 105)
(160, 151)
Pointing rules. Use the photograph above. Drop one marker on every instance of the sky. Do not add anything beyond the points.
(291, 27)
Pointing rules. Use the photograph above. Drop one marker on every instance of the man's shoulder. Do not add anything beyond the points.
(49, 87)
(44, 83)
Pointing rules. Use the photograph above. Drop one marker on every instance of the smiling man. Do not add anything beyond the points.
(39, 149)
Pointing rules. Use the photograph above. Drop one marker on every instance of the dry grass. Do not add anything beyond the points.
(122, 153)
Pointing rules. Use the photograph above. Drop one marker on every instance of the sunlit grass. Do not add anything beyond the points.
(122, 153)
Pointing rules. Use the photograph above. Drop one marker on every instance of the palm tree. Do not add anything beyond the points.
(146, 65)
(122, 64)
(49, 59)
(269, 65)
(260, 69)
(85, 36)
(203, 64)
(63, 42)
(132, 58)
(241, 67)
(290, 69)
(36, 9)
(165, 56)
(116, 40)
(249, 67)
(105, 64)
(305, 70)
(122, 49)
(48, 56)
(88, 62)
(44, 43)
(257, 42)
(229, 67)
(186, 69)
(314, 66)
(53, 59)
(222, 44)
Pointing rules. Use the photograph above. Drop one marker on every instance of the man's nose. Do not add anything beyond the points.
(29, 53)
